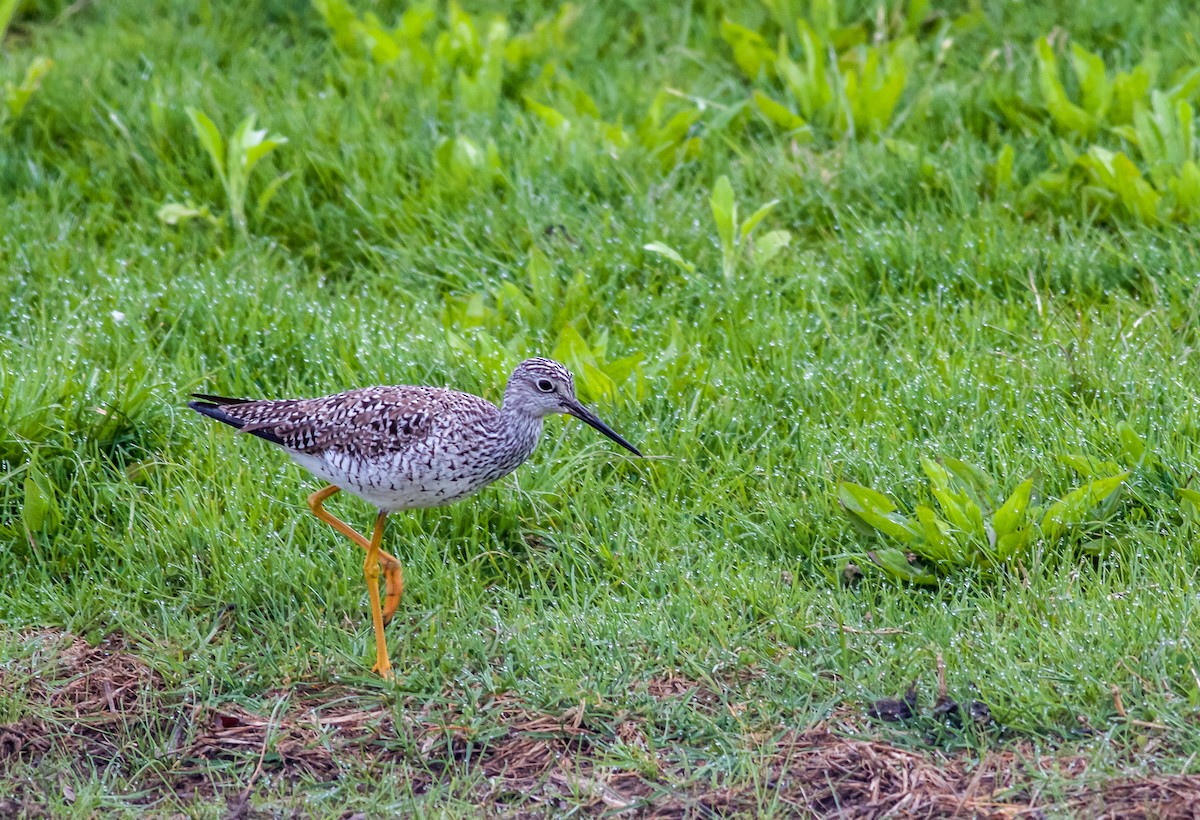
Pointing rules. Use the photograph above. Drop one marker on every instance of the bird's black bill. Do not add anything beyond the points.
(588, 417)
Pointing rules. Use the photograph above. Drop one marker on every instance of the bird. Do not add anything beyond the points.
(403, 447)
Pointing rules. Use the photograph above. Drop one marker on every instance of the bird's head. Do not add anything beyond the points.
(540, 387)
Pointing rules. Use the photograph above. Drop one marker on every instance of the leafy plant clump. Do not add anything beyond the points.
(973, 525)
(839, 81)
(471, 61)
(733, 234)
(670, 139)
(234, 162)
(1127, 148)
(16, 96)
(494, 329)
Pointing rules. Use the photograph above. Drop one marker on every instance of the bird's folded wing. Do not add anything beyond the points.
(369, 422)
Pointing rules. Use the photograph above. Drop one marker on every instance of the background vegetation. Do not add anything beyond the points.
(811, 254)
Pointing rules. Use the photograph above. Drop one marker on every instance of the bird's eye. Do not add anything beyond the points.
(545, 385)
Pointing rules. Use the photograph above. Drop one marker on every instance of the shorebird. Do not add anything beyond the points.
(403, 447)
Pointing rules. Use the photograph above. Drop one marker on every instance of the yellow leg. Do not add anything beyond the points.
(393, 578)
(371, 569)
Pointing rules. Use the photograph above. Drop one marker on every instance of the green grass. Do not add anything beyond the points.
(913, 314)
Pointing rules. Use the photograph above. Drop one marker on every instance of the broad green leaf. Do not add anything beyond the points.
(938, 476)
(1163, 131)
(676, 128)
(16, 98)
(1015, 542)
(513, 299)
(492, 161)
(1094, 84)
(7, 9)
(341, 19)
(1193, 496)
(724, 211)
(978, 528)
(39, 510)
(599, 345)
(268, 193)
(936, 545)
(493, 356)
(616, 138)
(1132, 446)
(1185, 136)
(540, 272)
(1075, 506)
(672, 254)
(551, 117)
(36, 506)
(1002, 170)
(955, 506)
(917, 12)
(384, 47)
(1114, 176)
(810, 86)
(769, 245)
(1067, 115)
(461, 36)
(173, 213)
(1137, 195)
(857, 497)
(1168, 130)
(1048, 187)
(1187, 86)
(1096, 546)
(464, 162)
(967, 21)
(248, 145)
(750, 50)
(896, 564)
(981, 485)
(210, 138)
(824, 16)
(548, 36)
(1129, 89)
(758, 216)
(874, 89)
(257, 147)
(669, 142)
(572, 92)
(620, 370)
(571, 348)
(1185, 188)
(876, 509)
(1190, 503)
(781, 115)
(596, 383)
(1083, 465)
(796, 82)
(456, 342)
(1011, 515)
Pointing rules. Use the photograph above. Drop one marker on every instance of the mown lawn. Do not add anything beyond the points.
(984, 248)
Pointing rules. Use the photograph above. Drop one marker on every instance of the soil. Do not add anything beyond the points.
(100, 702)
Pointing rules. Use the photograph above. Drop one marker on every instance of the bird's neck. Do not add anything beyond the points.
(519, 431)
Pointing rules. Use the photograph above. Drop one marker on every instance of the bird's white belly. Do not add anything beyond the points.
(397, 483)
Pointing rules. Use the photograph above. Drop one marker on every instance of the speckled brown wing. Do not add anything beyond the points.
(369, 422)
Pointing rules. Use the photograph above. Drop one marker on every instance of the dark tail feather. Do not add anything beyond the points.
(213, 407)
(219, 401)
(215, 411)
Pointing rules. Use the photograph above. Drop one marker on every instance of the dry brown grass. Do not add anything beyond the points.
(92, 708)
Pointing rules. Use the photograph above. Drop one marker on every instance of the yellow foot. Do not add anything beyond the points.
(384, 669)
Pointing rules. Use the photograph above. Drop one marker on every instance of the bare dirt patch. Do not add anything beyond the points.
(90, 695)
(94, 705)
